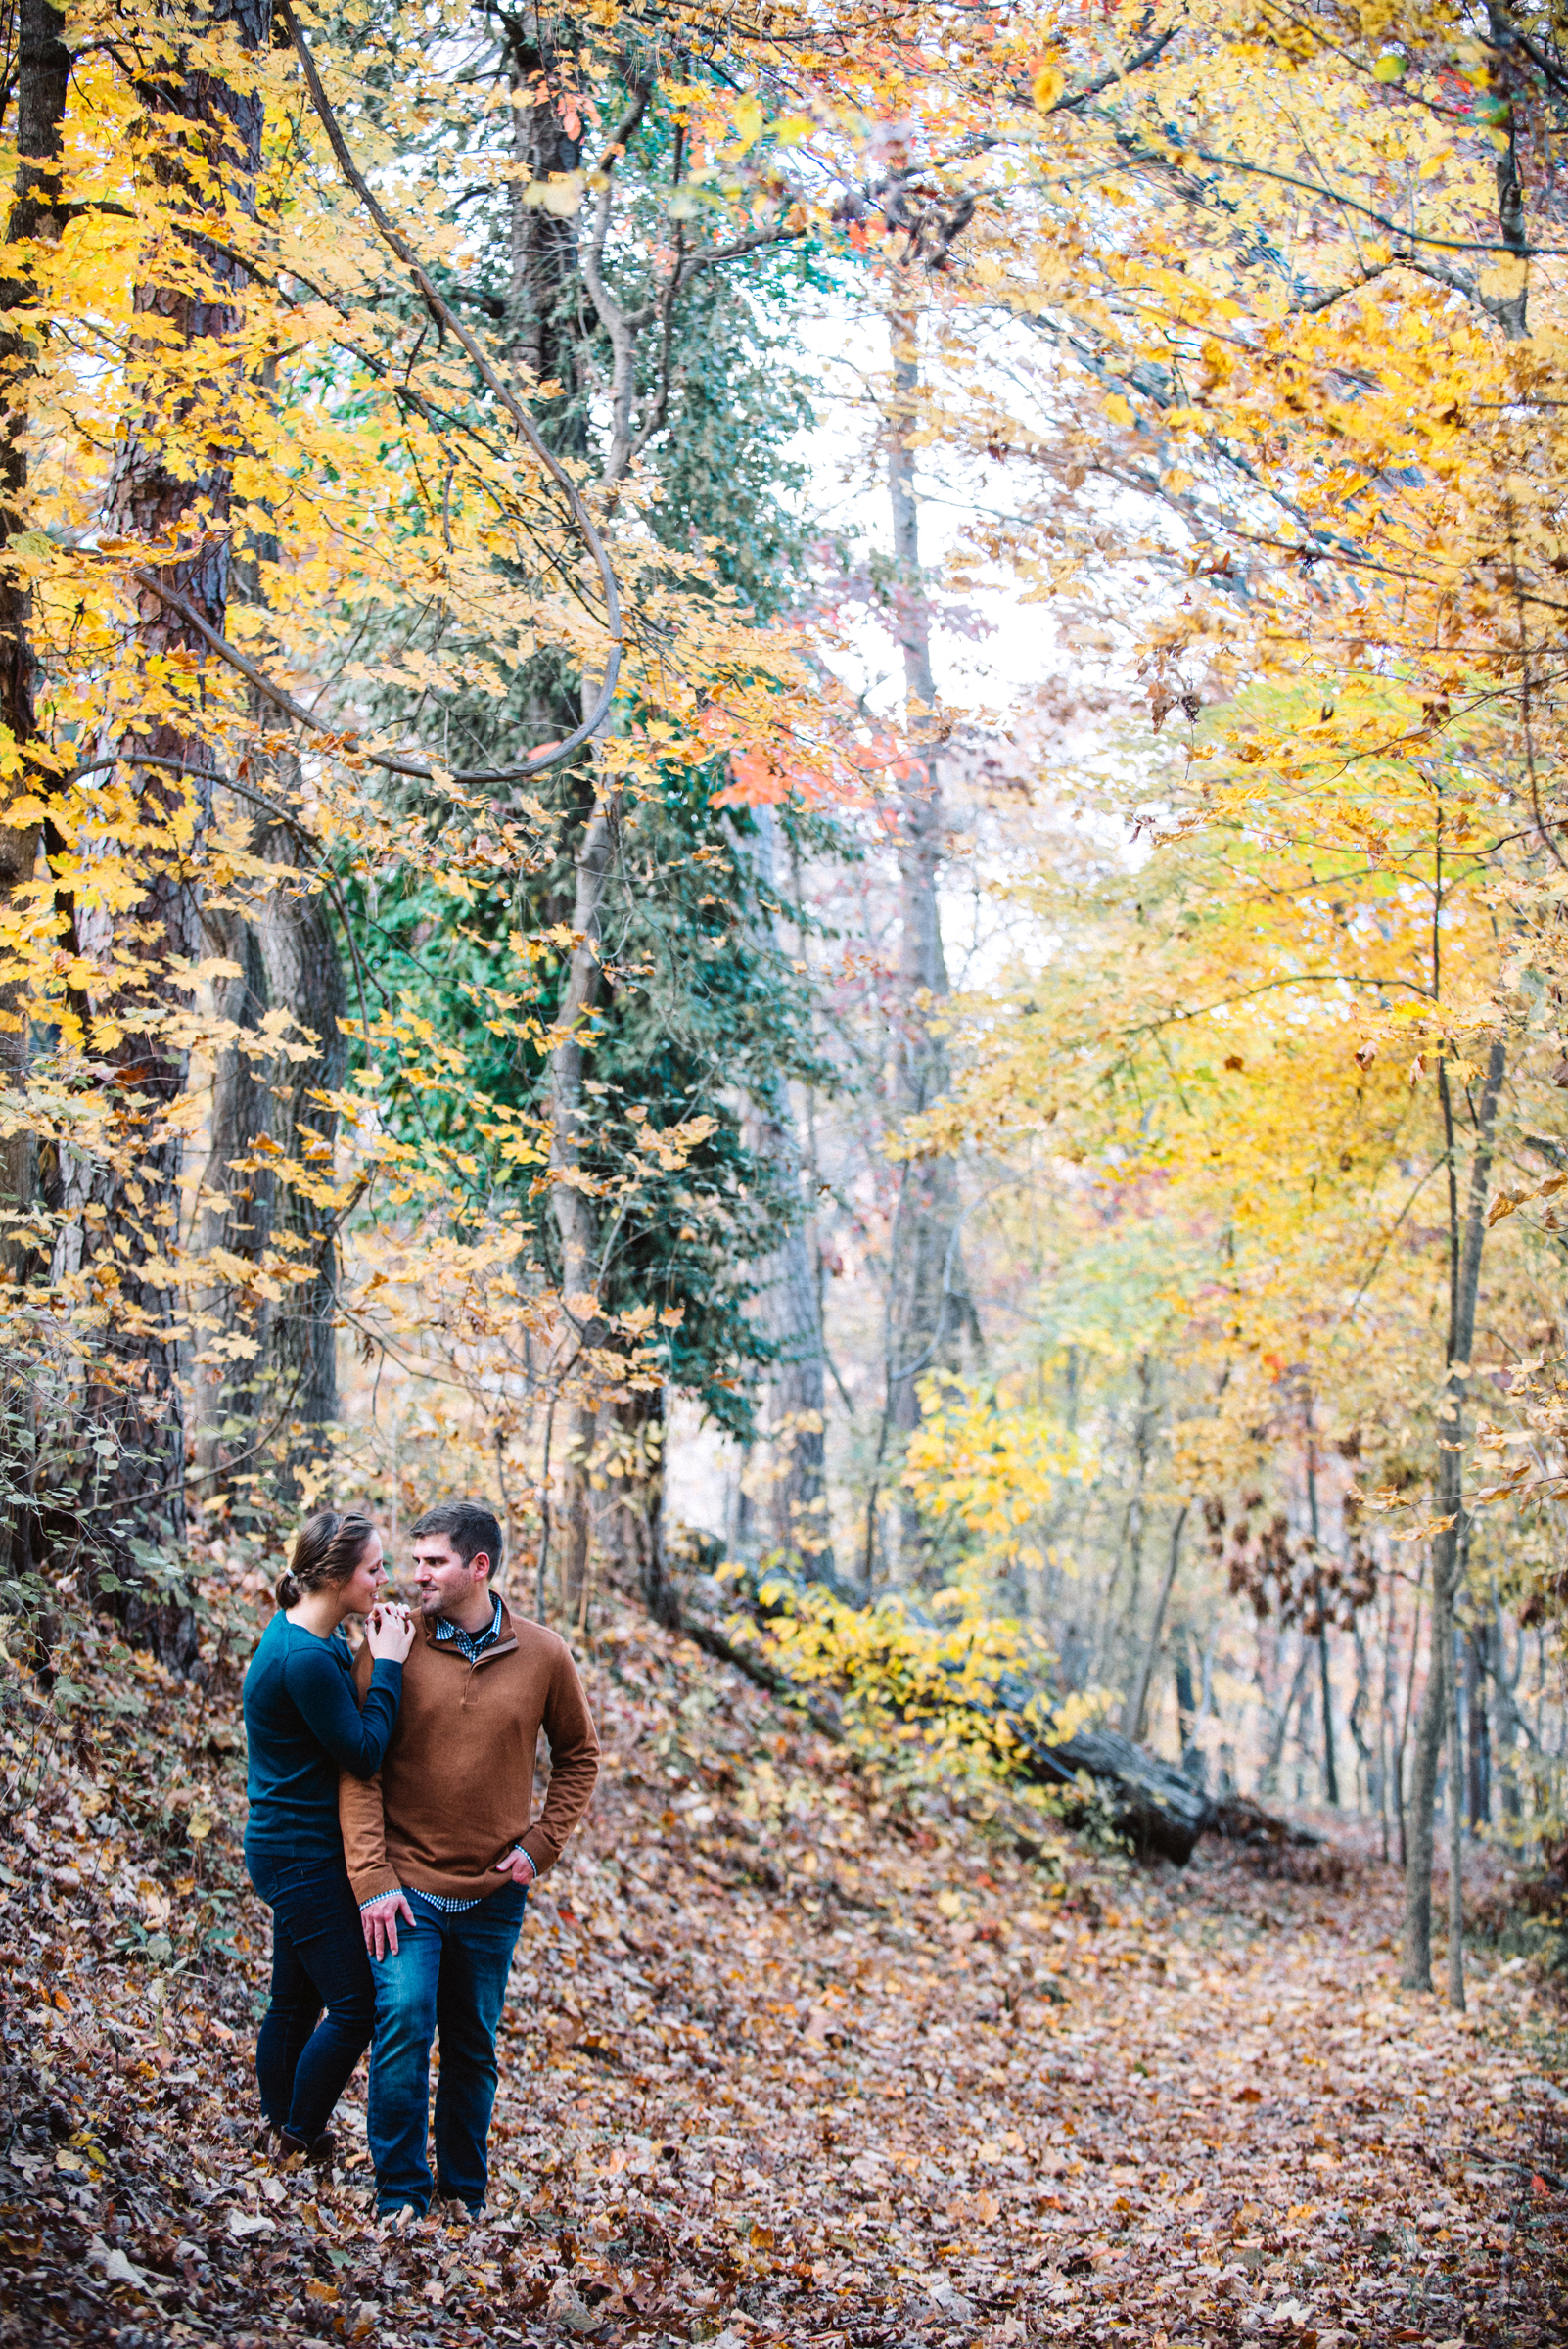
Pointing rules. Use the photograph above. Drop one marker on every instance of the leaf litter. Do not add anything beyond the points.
(792, 2053)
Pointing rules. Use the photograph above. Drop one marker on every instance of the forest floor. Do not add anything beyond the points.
(789, 2057)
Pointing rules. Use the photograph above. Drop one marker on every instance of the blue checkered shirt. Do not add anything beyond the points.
(471, 1643)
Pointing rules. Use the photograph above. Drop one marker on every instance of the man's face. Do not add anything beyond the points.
(445, 1586)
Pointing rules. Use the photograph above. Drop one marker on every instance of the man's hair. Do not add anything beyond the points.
(468, 1525)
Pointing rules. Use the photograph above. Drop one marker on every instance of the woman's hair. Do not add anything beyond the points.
(326, 1550)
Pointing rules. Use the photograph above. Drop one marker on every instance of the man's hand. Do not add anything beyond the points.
(380, 1920)
(516, 1867)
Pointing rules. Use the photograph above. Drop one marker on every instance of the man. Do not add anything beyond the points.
(441, 1843)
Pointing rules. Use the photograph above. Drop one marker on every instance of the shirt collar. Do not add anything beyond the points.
(473, 1643)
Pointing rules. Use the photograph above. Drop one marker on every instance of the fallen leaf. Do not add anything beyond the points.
(243, 2222)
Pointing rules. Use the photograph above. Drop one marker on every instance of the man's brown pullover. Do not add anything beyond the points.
(457, 1785)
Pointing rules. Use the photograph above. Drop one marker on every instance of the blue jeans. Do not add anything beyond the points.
(448, 1976)
(304, 2058)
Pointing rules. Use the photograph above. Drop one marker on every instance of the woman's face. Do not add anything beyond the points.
(363, 1587)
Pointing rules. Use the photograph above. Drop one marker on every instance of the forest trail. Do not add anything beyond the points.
(790, 2060)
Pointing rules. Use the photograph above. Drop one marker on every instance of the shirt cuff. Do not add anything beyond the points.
(373, 1883)
(376, 1898)
(519, 1852)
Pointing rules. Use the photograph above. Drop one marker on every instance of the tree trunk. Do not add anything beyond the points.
(134, 1506)
(1465, 1268)
(43, 72)
(1325, 1684)
(1194, 1762)
(282, 1398)
(930, 1301)
(635, 1425)
(1368, 1778)
(1136, 1514)
(1326, 1694)
(1268, 1776)
(576, 1218)
(43, 68)
(1387, 1690)
(1504, 1683)
(1478, 1756)
(791, 1287)
(1134, 1716)
(543, 328)
(544, 332)
(1400, 1806)
(1451, 1711)
(268, 1408)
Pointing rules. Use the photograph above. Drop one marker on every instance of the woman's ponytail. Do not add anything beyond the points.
(326, 1550)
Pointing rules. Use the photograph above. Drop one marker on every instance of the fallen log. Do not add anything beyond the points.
(1240, 1820)
(1151, 1802)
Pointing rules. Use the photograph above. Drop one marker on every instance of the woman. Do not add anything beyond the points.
(304, 1726)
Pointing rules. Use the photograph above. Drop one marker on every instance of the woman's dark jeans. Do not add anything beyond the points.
(304, 2058)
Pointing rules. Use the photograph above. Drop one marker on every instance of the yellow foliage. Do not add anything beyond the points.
(940, 1697)
(985, 1459)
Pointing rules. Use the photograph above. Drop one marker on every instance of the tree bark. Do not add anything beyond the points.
(1326, 1684)
(546, 333)
(1268, 1775)
(1133, 1718)
(134, 1506)
(1400, 1805)
(1478, 1741)
(635, 1530)
(1387, 1690)
(1325, 1689)
(1466, 1245)
(1143, 1425)
(576, 1216)
(1503, 1684)
(43, 69)
(1194, 1762)
(931, 1308)
(1456, 1833)
(285, 1394)
(791, 1288)
(1368, 1778)
(543, 327)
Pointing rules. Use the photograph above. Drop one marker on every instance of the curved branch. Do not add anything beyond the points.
(527, 431)
(301, 716)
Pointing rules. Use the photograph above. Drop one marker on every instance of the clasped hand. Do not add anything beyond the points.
(388, 1632)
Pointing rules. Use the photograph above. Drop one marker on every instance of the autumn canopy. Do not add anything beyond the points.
(791, 783)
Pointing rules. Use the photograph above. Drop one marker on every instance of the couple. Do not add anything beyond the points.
(391, 1800)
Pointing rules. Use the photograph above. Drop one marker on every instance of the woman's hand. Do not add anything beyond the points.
(388, 1632)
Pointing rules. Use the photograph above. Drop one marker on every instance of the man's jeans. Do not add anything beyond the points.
(448, 1976)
